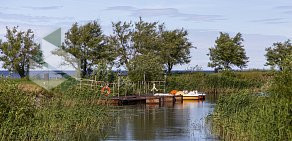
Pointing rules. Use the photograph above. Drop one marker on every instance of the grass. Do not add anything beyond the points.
(226, 82)
(246, 115)
(29, 112)
(49, 84)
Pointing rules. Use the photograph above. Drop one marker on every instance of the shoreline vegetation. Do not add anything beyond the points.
(219, 83)
(252, 105)
(29, 112)
(246, 115)
(68, 112)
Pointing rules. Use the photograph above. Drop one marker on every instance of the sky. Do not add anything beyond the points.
(262, 22)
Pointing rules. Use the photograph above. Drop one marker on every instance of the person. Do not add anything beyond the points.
(154, 88)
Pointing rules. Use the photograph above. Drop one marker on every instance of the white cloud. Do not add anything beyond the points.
(272, 21)
(43, 7)
(28, 19)
(170, 12)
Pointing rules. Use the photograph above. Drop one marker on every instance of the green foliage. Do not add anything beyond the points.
(135, 39)
(145, 37)
(103, 72)
(127, 86)
(71, 114)
(243, 116)
(174, 48)
(248, 116)
(142, 38)
(277, 53)
(20, 52)
(225, 82)
(228, 52)
(78, 121)
(16, 111)
(88, 45)
(282, 84)
(148, 65)
(122, 41)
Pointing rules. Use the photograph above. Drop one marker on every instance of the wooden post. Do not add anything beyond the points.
(145, 87)
(158, 86)
(126, 92)
(94, 82)
(144, 84)
(119, 86)
(139, 88)
(113, 88)
(91, 84)
(80, 82)
(153, 89)
(164, 89)
(133, 85)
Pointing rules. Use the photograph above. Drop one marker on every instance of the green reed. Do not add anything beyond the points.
(70, 114)
(246, 115)
(225, 82)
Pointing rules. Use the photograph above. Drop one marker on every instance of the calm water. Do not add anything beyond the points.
(180, 121)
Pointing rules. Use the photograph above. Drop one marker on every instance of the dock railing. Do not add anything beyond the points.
(126, 88)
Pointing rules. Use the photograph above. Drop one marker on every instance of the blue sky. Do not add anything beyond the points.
(261, 22)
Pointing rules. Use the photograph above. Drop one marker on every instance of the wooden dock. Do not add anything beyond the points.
(141, 92)
(130, 100)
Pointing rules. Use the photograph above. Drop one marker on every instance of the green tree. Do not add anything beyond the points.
(88, 45)
(130, 40)
(139, 48)
(174, 48)
(228, 52)
(135, 39)
(147, 64)
(20, 52)
(122, 41)
(103, 73)
(277, 53)
(145, 37)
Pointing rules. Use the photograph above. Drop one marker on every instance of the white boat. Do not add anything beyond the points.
(193, 95)
(162, 94)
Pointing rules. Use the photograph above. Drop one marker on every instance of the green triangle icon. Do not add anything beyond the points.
(54, 37)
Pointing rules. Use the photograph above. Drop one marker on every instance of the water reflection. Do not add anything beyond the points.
(179, 121)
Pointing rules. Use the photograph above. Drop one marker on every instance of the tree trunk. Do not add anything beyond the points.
(27, 71)
(84, 68)
(169, 68)
(20, 71)
(216, 70)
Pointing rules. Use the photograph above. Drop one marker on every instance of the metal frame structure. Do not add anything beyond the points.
(138, 88)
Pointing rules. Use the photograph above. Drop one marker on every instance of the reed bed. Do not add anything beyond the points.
(38, 114)
(246, 115)
(218, 83)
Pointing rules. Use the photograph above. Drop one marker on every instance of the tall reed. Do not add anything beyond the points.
(226, 82)
(61, 114)
(256, 116)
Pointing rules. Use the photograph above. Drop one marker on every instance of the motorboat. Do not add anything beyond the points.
(193, 95)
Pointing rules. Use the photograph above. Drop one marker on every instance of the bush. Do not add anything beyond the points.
(17, 111)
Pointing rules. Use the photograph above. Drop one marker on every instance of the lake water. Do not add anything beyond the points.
(179, 121)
